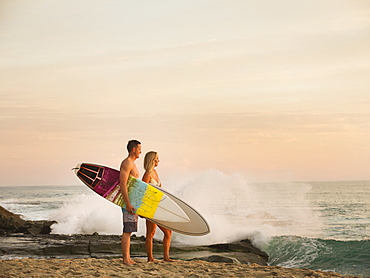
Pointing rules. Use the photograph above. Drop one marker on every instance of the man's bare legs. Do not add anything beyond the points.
(125, 243)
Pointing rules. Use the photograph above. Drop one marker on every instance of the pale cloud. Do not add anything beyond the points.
(257, 86)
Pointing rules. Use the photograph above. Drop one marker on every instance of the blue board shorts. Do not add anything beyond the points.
(129, 221)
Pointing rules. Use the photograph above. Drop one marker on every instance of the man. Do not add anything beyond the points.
(128, 168)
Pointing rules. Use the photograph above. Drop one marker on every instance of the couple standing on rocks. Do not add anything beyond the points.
(130, 219)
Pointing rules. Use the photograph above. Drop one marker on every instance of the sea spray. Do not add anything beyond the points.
(234, 208)
(223, 200)
(238, 209)
(87, 214)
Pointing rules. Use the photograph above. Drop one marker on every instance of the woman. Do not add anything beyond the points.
(151, 161)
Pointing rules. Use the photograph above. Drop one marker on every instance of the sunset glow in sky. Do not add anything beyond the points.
(274, 90)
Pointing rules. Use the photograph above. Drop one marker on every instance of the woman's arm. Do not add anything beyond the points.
(146, 177)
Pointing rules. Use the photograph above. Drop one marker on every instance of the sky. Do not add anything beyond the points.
(272, 90)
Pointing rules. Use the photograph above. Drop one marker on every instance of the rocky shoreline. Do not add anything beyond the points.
(32, 239)
(109, 246)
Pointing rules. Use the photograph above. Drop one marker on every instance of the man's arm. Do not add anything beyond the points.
(123, 177)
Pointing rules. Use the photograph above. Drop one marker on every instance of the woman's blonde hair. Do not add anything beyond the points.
(149, 161)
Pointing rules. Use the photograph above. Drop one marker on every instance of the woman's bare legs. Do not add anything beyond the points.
(166, 244)
(150, 231)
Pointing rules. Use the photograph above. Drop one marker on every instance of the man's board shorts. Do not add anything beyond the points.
(129, 221)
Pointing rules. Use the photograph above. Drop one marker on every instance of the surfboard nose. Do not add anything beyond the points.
(77, 168)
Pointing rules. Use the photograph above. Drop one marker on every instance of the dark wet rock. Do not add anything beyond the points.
(13, 223)
(238, 252)
(243, 250)
(219, 259)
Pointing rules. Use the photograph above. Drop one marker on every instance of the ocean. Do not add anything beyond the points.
(316, 225)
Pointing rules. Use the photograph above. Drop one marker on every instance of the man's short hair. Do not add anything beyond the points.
(132, 144)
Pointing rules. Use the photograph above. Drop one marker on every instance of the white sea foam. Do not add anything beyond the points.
(87, 214)
(234, 208)
(237, 209)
